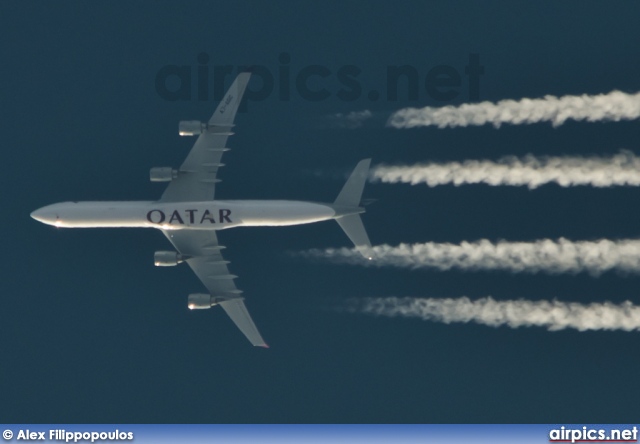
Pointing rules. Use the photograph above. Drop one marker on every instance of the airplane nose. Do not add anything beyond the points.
(37, 215)
(43, 215)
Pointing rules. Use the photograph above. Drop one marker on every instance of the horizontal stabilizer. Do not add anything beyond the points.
(348, 203)
(352, 226)
(352, 190)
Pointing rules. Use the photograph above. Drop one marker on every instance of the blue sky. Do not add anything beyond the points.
(92, 332)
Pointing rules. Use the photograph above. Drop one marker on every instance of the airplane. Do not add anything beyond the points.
(189, 217)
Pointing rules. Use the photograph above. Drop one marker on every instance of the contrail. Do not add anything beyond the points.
(614, 106)
(598, 171)
(545, 256)
(352, 120)
(514, 313)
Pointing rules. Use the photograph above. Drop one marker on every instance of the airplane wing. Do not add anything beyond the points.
(197, 176)
(203, 256)
(196, 182)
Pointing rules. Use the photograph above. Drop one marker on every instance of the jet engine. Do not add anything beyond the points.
(162, 174)
(196, 127)
(167, 258)
(201, 301)
(191, 127)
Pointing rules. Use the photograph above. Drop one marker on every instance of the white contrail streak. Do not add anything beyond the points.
(546, 255)
(519, 313)
(606, 171)
(352, 120)
(614, 106)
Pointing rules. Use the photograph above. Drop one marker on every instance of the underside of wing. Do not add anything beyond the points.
(196, 178)
(238, 313)
(200, 249)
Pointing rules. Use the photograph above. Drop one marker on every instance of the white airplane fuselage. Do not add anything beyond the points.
(208, 215)
(186, 212)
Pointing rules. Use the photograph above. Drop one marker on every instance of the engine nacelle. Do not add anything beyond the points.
(167, 258)
(162, 174)
(198, 301)
(196, 127)
(191, 127)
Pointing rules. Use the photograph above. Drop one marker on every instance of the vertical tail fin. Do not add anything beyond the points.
(350, 196)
